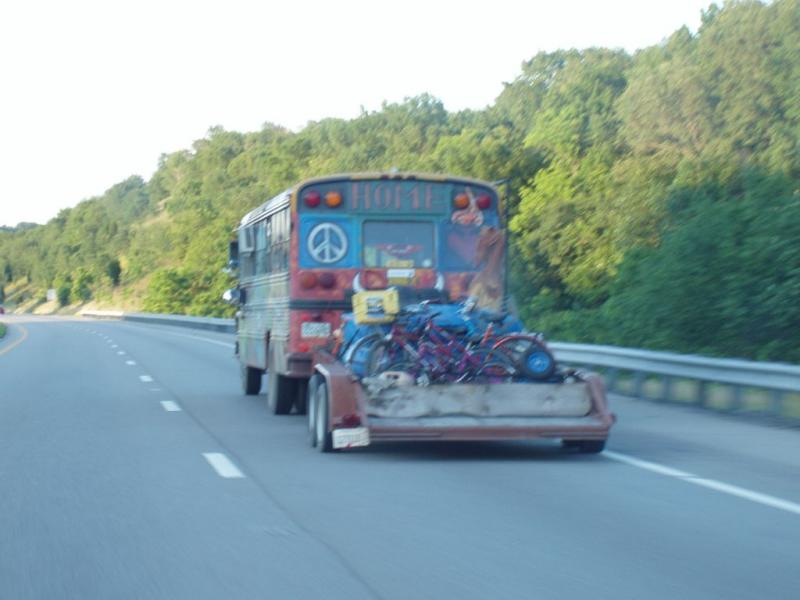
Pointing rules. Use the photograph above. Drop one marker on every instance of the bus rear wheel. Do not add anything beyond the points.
(251, 380)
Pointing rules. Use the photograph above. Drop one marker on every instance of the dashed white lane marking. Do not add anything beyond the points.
(170, 406)
(145, 379)
(113, 346)
(223, 465)
(121, 353)
(130, 362)
(155, 389)
(712, 484)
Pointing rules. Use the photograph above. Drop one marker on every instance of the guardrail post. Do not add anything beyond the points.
(776, 403)
(737, 399)
(638, 384)
(702, 393)
(611, 379)
(666, 388)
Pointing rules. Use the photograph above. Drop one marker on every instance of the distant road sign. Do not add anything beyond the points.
(51, 295)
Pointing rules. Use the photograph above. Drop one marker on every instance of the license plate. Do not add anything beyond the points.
(350, 438)
(315, 330)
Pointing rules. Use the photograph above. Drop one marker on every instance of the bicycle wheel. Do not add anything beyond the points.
(383, 355)
(357, 355)
(496, 371)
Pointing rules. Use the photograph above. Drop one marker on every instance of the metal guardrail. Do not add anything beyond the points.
(209, 323)
(778, 382)
(636, 368)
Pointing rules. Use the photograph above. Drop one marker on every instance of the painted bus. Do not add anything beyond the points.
(301, 255)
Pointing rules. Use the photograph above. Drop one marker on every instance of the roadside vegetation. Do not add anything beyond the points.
(654, 197)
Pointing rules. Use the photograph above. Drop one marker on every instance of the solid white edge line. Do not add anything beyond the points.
(223, 465)
(712, 484)
(145, 379)
(170, 406)
(196, 337)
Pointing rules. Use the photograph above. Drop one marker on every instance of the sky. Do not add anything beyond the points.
(93, 92)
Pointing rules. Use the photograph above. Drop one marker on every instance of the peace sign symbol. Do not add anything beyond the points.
(327, 243)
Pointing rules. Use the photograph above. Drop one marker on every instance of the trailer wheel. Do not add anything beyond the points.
(311, 406)
(585, 446)
(251, 379)
(324, 438)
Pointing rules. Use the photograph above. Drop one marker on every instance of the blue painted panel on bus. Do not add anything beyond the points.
(328, 242)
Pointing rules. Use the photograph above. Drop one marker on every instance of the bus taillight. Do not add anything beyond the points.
(333, 199)
(327, 280)
(484, 201)
(312, 199)
(375, 279)
(308, 280)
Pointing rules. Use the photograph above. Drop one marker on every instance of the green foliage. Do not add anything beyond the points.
(114, 270)
(169, 291)
(81, 285)
(63, 294)
(652, 197)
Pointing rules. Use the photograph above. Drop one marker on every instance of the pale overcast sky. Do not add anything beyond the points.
(92, 92)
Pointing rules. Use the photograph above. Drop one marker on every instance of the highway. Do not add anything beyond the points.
(132, 467)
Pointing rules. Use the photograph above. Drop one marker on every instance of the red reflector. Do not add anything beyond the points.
(308, 280)
(312, 199)
(303, 347)
(484, 201)
(327, 280)
(375, 280)
(348, 421)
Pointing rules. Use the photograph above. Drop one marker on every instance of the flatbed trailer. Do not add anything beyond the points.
(344, 412)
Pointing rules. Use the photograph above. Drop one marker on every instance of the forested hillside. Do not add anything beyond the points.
(655, 196)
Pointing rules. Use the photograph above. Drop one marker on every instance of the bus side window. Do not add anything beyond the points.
(261, 249)
(268, 240)
(280, 239)
(246, 246)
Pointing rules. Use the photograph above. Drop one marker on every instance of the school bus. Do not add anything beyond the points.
(301, 255)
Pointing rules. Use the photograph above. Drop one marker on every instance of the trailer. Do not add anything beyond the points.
(345, 412)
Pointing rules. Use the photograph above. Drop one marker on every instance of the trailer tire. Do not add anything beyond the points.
(585, 446)
(324, 438)
(311, 406)
(251, 379)
(591, 446)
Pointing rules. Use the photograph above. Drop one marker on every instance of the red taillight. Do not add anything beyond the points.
(348, 421)
(375, 280)
(327, 280)
(426, 279)
(308, 280)
(484, 201)
(312, 199)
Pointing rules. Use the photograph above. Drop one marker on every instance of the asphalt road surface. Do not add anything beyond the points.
(132, 467)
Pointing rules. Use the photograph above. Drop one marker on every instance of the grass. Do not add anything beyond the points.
(2, 330)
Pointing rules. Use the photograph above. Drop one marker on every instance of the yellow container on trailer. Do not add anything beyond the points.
(378, 306)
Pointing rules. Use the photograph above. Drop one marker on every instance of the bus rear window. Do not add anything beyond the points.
(403, 244)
